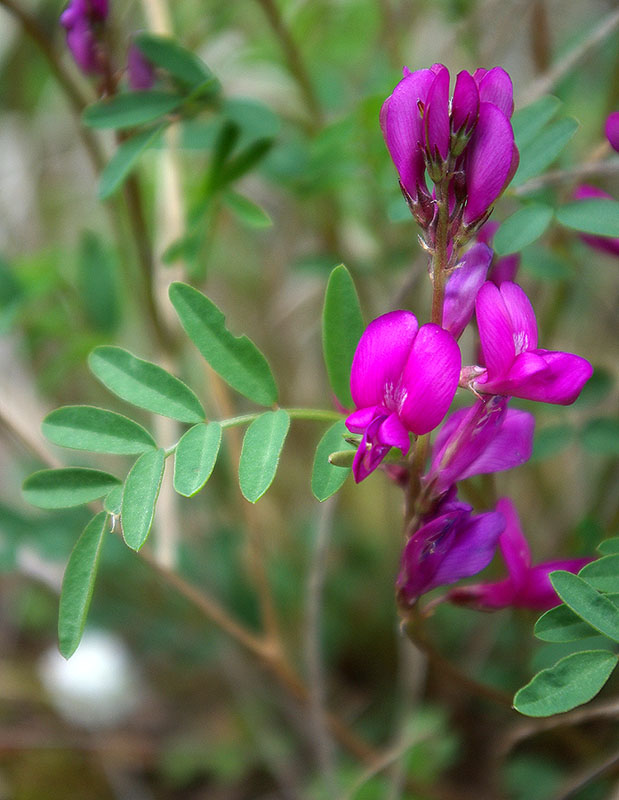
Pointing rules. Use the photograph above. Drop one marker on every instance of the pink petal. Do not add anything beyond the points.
(538, 593)
(436, 115)
(489, 157)
(495, 331)
(465, 102)
(462, 287)
(510, 446)
(430, 379)
(394, 434)
(402, 127)
(605, 244)
(514, 546)
(380, 357)
(560, 380)
(520, 310)
(484, 596)
(496, 87)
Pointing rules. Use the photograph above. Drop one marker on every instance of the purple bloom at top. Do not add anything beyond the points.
(526, 586)
(605, 244)
(451, 545)
(472, 133)
(140, 71)
(514, 365)
(80, 19)
(402, 381)
(611, 129)
(487, 437)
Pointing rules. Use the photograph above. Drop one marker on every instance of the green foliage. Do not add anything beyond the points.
(573, 680)
(342, 326)
(597, 216)
(590, 605)
(250, 214)
(140, 496)
(522, 228)
(262, 447)
(78, 584)
(609, 546)
(601, 436)
(561, 624)
(327, 479)
(180, 63)
(551, 441)
(67, 487)
(527, 122)
(603, 573)
(144, 384)
(235, 358)
(195, 457)
(97, 282)
(543, 149)
(125, 160)
(97, 430)
(131, 109)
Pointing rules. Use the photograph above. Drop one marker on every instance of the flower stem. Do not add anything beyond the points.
(439, 257)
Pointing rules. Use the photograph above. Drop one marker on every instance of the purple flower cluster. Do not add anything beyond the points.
(466, 142)
(404, 377)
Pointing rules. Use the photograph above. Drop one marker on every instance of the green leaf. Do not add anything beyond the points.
(112, 502)
(596, 215)
(185, 66)
(544, 149)
(522, 228)
(561, 624)
(550, 441)
(596, 389)
(342, 326)
(125, 159)
(609, 547)
(130, 109)
(235, 358)
(602, 574)
(140, 496)
(195, 457)
(67, 487)
(250, 214)
(78, 584)
(544, 264)
(144, 384)
(262, 446)
(527, 122)
(97, 283)
(245, 161)
(572, 681)
(327, 479)
(601, 436)
(97, 430)
(590, 605)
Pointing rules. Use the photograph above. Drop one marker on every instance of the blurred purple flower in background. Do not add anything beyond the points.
(462, 286)
(611, 129)
(140, 71)
(605, 244)
(526, 586)
(504, 268)
(403, 379)
(81, 20)
(514, 365)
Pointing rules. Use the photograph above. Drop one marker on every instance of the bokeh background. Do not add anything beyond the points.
(159, 703)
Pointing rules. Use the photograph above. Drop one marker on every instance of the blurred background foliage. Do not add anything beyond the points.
(307, 79)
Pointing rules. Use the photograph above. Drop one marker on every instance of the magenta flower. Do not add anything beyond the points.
(487, 437)
(453, 544)
(472, 136)
(402, 381)
(606, 244)
(526, 586)
(81, 19)
(139, 70)
(465, 281)
(514, 366)
(505, 267)
(611, 129)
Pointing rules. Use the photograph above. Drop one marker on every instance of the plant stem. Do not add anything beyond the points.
(439, 256)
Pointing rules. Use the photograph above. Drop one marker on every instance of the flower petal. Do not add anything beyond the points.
(510, 446)
(514, 546)
(560, 381)
(402, 127)
(488, 161)
(611, 129)
(495, 331)
(393, 434)
(538, 593)
(465, 102)
(462, 287)
(520, 310)
(496, 87)
(436, 115)
(380, 357)
(430, 379)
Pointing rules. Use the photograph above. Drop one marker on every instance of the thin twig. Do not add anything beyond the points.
(558, 176)
(545, 82)
(586, 777)
(313, 650)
